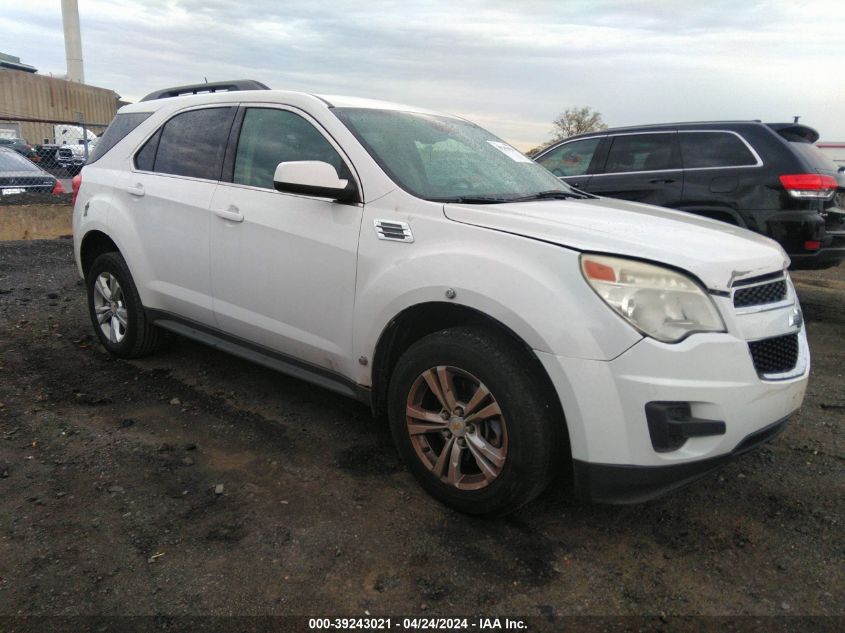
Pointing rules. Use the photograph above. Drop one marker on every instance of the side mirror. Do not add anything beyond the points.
(842, 169)
(313, 178)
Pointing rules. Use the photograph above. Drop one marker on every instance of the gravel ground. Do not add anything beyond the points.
(195, 483)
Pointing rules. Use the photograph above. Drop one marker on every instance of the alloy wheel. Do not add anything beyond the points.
(457, 428)
(110, 307)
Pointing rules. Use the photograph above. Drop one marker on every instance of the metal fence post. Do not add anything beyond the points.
(81, 118)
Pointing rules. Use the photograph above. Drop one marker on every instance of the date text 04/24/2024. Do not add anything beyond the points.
(417, 624)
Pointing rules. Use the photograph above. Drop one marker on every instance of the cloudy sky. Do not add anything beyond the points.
(509, 66)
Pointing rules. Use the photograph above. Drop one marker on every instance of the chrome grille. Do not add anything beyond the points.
(761, 294)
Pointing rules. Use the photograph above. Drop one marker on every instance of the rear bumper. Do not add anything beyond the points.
(75, 162)
(824, 258)
(615, 484)
(792, 229)
(831, 253)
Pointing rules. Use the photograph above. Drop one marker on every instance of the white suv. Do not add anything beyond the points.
(503, 322)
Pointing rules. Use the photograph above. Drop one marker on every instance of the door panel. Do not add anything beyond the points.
(284, 275)
(172, 222)
(169, 193)
(284, 265)
(642, 168)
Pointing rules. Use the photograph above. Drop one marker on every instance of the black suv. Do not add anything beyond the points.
(767, 177)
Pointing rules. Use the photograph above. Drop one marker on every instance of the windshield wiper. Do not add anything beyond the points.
(554, 194)
(475, 200)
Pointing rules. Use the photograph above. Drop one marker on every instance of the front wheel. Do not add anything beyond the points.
(471, 421)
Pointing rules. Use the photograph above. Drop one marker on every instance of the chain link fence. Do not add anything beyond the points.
(39, 157)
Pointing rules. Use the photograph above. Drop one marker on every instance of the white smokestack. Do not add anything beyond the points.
(73, 41)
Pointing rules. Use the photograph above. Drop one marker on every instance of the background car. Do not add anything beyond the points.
(21, 147)
(767, 177)
(47, 155)
(19, 175)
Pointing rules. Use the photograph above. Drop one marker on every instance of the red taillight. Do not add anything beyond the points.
(809, 185)
(75, 183)
(58, 188)
(812, 245)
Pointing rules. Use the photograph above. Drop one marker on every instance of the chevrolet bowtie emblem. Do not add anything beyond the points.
(796, 319)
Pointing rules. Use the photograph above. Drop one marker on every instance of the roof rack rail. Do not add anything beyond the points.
(218, 86)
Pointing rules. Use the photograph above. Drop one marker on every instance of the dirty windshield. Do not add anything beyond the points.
(447, 159)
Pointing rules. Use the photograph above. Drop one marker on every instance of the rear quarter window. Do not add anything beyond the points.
(118, 129)
(714, 149)
(811, 154)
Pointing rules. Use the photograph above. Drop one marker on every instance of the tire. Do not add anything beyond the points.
(519, 436)
(112, 295)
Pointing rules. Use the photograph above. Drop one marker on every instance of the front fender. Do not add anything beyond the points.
(533, 288)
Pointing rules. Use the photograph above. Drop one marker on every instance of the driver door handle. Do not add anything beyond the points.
(661, 181)
(230, 213)
(135, 190)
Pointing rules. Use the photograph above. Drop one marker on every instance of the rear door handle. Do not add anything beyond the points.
(135, 190)
(661, 181)
(230, 213)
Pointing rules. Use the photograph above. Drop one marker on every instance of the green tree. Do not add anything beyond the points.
(575, 120)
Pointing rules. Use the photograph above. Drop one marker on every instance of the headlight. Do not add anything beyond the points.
(658, 301)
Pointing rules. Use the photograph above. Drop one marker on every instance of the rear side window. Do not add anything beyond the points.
(571, 159)
(714, 149)
(642, 152)
(269, 137)
(120, 126)
(192, 144)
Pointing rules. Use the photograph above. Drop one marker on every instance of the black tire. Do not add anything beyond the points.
(532, 425)
(140, 337)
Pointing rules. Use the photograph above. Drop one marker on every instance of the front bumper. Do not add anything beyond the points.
(70, 162)
(610, 483)
(605, 407)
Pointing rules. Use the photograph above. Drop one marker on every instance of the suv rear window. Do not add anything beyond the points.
(714, 149)
(120, 126)
(192, 144)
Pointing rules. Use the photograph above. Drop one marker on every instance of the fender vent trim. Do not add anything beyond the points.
(393, 231)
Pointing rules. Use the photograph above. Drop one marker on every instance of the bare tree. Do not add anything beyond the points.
(577, 120)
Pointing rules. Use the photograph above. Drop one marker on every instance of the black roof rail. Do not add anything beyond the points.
(217, 86)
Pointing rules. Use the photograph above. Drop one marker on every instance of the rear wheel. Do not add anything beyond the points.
(471, 422)
(116, 311)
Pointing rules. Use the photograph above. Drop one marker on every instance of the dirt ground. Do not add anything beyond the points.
(195, 483)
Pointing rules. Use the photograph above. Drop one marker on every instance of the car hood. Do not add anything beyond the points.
(715, 252)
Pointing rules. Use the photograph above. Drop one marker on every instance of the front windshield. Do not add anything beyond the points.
(447, 159)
